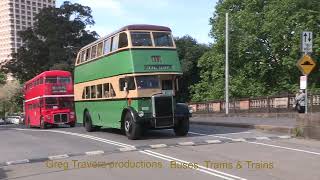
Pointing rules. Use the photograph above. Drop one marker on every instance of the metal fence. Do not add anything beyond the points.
(267, 104)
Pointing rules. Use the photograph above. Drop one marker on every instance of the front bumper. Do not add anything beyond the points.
(167, 122)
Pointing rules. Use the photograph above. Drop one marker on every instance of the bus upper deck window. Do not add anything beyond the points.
(51, 80)
(141, 39)
(64, 80)
(162, 39)
(107, 46)
(115, 41)
(123, 40)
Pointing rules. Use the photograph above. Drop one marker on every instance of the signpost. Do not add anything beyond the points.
(306, 44)
(306, 64)
(303, 82)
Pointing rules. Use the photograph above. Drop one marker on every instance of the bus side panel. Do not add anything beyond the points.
(79, 110)
(109, 112)
(119, 63)
(103, 113)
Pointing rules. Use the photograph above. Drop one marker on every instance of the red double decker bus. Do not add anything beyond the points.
(49, 100)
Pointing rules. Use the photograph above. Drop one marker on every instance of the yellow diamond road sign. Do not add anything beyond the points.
(306, 64)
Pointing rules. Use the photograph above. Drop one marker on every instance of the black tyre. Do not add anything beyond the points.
(88, 122)
(73, 124)
(182, 128)
(43, 124)
(132, 129)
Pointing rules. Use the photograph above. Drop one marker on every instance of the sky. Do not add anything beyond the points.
(182, 16)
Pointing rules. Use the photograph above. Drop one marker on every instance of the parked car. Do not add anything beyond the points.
(13, 119)
(2, 121)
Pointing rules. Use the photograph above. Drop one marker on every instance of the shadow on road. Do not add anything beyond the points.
(3, 174)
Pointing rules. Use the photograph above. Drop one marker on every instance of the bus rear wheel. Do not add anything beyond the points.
(182, 128)
(88, 122)
(132, 129)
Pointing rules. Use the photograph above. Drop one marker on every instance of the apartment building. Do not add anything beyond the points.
(17, 15)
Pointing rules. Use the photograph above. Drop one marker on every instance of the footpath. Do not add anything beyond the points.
(307, 126)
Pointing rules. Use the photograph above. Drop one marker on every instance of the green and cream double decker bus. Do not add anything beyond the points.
(128, 80)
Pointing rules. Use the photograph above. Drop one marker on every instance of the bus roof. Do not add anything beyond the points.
(51, 73)
(146, 27)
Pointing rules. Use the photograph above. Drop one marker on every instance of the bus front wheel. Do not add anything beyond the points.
(131, 128)
(182, 128)
(87, 122)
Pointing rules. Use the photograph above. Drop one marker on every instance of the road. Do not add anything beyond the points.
(208, 152)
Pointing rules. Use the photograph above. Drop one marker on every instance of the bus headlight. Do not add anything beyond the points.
(140, 113)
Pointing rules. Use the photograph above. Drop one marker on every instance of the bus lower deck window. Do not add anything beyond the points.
(99, 91)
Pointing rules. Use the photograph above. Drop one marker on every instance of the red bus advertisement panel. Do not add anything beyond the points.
(49, 100)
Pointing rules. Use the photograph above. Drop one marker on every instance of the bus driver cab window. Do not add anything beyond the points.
(167, 87)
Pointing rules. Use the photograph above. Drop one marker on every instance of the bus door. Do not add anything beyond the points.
(37, 111)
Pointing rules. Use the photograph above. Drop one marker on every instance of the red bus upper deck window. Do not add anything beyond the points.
(54, 80)
(51, 80)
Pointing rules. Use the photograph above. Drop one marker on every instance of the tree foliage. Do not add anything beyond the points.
(2, 78)
(189, 52)
(264, 47)
(53, 42)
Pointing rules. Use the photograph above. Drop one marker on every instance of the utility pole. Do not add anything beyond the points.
(227, 66)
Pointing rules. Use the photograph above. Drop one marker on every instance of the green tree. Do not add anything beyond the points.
(2, 78)
(53, 42)
(265, 40)
(189, 52)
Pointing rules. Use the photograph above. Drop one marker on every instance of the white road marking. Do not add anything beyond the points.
(282, 147)
(158, 146)
(215, 172)
(186, 143)
(213, 141)
(125, 149)
(22, 161)
(262, 138)
(160, 156)
(245, 132)
(239, 140)
(284, 137)
(264, 144)
(94, 152)
(61, 156)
